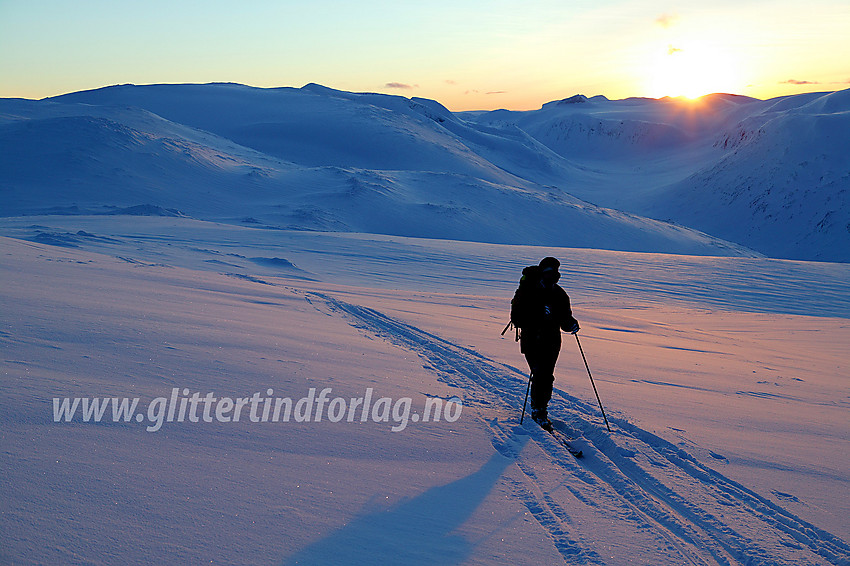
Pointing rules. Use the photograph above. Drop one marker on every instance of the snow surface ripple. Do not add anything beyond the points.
(693, 510)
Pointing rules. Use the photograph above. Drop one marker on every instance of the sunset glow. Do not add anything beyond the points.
(467, 54)
(692, 70)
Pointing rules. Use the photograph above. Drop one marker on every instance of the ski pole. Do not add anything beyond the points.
(591, 382)
(527, 389)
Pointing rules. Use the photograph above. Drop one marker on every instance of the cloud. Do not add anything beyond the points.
(476, 91)
(450, 82)
(796, 82)
(401, 86)
(666, 20)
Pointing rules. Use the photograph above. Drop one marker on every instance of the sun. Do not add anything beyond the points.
(693, 69)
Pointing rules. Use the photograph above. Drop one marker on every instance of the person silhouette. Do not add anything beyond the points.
(541, 310)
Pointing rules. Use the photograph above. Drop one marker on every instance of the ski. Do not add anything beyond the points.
(547, 426)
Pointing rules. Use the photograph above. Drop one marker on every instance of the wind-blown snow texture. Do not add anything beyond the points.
(225, 239)
(770, 176)
(729, 410)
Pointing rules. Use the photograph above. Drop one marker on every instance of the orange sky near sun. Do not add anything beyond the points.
(466, 54)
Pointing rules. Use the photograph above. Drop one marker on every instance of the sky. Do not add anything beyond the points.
(467, 54)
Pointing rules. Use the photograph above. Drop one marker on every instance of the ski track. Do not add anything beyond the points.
(694, 512)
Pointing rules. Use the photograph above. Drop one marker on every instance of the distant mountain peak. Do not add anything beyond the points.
(575, 99)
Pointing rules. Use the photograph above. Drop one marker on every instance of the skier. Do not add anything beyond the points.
(541, 309)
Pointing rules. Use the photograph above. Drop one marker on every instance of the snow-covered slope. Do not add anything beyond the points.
(60, 156)
(307, 158)
(318, 126)
(768, 175)
(722, 379)
(782, 184)
(773, 175)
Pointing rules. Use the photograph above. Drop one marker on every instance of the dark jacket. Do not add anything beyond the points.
(541, 313)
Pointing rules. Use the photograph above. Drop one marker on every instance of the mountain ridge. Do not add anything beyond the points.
(308, 158)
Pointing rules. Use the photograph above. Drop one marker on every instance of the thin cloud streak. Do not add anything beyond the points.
(667, 20)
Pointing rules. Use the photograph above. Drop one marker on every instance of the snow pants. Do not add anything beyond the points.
(541, 353)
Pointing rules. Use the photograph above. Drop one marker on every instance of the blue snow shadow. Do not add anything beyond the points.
(416, 531)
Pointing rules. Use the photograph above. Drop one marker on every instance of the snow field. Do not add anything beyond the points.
(728, 405)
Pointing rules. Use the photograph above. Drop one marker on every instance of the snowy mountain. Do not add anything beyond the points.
(308, 158)
(782, 184)
(772, 175)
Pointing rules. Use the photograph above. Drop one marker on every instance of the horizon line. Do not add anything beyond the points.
(682, 98)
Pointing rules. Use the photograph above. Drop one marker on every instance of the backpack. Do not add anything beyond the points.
(527, 284)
